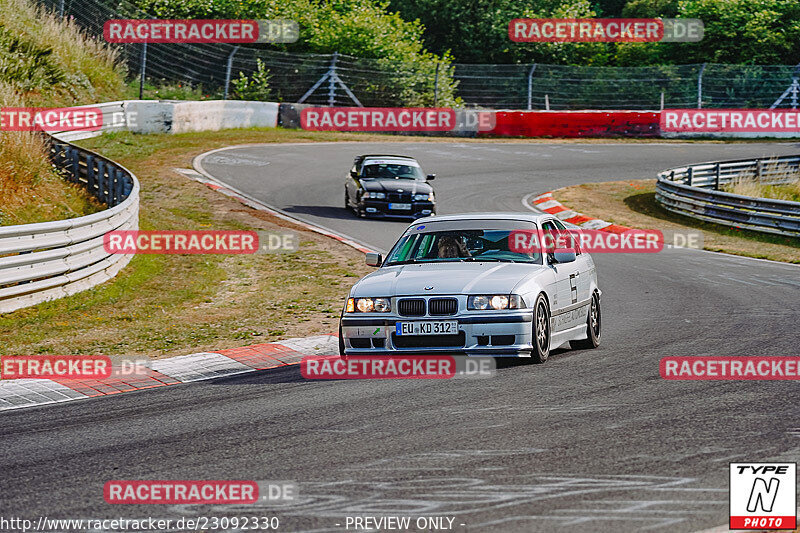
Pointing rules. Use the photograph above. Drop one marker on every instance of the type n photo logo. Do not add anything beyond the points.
(763, 496)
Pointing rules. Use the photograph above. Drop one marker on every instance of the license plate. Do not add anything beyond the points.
(400, 206)
(444, 327)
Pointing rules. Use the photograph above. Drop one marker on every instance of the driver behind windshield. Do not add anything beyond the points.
(449, 247)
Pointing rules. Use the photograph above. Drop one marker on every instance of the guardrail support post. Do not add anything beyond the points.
(700, 87)
(76, 165)
(332, 81)
(90, 178)
(530, 85)
(142, 71)
(228, 70)
(101, 195)
(689, 175)
(716, 177)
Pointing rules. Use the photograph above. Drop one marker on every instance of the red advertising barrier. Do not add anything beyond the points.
(730, 121)
(577, 124)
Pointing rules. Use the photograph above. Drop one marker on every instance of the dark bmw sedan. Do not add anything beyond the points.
(389, 186)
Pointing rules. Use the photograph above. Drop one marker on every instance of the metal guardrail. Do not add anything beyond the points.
(694, 191)
(49, 260)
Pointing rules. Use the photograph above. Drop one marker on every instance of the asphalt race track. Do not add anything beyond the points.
(591, 441)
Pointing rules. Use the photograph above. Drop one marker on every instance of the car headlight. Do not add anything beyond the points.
(428, 197)
(495, 302)
(374, 195)
(368, 305)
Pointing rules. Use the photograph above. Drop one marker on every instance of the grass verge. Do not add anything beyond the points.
(633, 204)
(163, 305)
(46, 61)
(749, 186)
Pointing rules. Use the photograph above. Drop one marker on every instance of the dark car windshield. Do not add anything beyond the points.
(388, 171)
(457, 245)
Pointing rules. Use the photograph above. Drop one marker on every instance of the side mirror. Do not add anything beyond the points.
(565, 255)
(376, 260)
(430, 177)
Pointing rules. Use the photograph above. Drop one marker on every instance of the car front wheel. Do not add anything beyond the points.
(541, 330)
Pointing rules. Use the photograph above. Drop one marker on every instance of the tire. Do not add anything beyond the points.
(347, 200)
(593, 326)
(341, 343)
(541, 331)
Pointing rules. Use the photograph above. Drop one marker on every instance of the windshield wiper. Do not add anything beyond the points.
(494, 259)
(406, 262)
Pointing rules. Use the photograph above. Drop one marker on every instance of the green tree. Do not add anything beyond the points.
(254, 87)
(361, 28)
(476, 31)
(758, 32)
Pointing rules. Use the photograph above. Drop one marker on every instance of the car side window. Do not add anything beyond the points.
(575, 239)
(548, 226)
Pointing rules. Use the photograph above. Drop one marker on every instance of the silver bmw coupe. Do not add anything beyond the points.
(466, 284)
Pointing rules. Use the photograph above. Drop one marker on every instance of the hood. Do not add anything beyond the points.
(392, 185)
(446, 278)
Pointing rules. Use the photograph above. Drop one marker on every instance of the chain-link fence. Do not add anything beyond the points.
(345, 80)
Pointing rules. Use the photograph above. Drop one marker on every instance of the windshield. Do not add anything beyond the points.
(457, 245)
(388, 171)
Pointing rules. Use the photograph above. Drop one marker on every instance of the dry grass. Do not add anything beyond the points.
(45, 61)
(57, 63)
(748, 184)
(632, 203)
(162, 305)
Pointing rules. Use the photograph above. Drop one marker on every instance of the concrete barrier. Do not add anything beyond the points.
(223, 114)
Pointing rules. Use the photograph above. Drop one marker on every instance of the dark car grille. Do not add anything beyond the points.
(442, 306)
(428, 341)
(399, 197)
(411, 307)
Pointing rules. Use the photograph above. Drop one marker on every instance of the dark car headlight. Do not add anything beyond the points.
(368, 305)
(427, 197)
(495, 302)
(374, 195)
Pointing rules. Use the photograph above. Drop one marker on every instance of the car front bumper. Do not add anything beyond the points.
(497, 334)
(380, 208)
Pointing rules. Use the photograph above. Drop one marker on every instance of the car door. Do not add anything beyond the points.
(566, 289)
(351, 184)
(583, 267)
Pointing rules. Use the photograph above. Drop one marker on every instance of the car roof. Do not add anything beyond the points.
(509, 215)
(385, 156)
